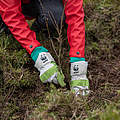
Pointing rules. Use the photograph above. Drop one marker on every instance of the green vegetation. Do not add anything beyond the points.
(23, 96)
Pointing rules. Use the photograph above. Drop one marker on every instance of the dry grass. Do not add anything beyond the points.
(23, 96)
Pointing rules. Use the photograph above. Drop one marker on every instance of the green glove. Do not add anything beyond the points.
(49, 71)
(79, 82)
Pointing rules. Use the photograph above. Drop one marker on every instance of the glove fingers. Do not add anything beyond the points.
(53, 75)
(55, 81)
(60, 78)
(52, 78)
(80, 87)
(47, 74)
(80, 90)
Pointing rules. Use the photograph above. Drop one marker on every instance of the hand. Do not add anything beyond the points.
(79, 82)
(48, 69)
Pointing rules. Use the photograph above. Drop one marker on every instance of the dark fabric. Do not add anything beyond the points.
(3, 27)
(46, 12)
(30, 9)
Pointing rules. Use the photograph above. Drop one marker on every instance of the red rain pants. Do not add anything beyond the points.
(10, 11)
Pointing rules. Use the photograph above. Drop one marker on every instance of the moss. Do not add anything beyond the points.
(109, 113)
(23, 96)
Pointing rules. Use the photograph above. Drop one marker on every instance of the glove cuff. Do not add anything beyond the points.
(79, 82)
(43, 59)
(36, 51)
(76, 59)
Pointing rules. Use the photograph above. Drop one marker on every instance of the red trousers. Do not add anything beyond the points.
(10, 11)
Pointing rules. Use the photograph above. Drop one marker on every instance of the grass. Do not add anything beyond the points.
(23, 96)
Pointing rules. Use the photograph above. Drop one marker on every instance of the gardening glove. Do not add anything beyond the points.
(79, 82)
(48, 68)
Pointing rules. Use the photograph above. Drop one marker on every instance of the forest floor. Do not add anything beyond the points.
(24, 97)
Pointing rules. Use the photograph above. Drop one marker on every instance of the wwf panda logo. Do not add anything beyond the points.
(76, 69)
(43, 58)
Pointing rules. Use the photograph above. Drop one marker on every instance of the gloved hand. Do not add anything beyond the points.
(48, 69)
(79, 82)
